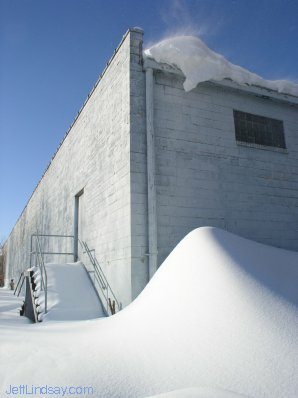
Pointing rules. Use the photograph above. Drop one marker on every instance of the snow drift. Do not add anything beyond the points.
(203, 392)
(199, 64)
(220, 313)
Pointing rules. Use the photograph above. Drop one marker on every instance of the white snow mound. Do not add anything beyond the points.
(199, 64)
(203, 392)
(220, 313)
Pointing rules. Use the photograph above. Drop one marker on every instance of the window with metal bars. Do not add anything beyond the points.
(260, 130)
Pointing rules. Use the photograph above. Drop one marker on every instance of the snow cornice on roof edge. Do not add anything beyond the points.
(226, 83)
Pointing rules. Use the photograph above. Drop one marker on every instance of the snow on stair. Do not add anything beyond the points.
(71, 295)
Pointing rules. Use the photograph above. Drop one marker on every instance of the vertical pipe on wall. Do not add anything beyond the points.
(152, 220)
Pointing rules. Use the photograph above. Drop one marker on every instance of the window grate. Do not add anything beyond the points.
(259, 130)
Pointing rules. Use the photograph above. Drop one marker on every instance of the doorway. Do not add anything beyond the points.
(78, 222)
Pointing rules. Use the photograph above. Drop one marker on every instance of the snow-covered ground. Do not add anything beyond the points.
(9, 310)
(200, 392)
(199, 64)
(219, 316)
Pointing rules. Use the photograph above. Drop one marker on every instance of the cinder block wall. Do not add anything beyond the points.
(95, 156)
(205, 178)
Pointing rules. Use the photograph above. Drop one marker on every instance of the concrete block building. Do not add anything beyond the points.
(145, 162)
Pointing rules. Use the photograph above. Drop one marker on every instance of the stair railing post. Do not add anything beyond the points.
(31, 249)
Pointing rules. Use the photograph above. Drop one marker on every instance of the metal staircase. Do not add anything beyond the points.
(30, 306)
(36, 280)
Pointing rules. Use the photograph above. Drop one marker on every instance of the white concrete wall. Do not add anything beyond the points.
(95, 156)
(205, 178)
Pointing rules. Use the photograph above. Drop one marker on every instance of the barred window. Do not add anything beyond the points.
(259, 130)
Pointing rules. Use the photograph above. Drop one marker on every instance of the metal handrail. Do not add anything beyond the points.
(49, 252)
(22, 277)
(53, 235)
(105, 287)
(58, 253)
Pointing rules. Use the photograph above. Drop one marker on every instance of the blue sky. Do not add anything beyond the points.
(52, 52)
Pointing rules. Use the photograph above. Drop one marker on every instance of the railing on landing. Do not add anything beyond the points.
(101, 283)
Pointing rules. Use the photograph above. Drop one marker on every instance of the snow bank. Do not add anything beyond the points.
(199, 393)
(221, 313)
(200, 64)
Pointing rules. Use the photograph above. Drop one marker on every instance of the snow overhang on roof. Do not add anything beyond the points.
(227, 83)
(189, 57)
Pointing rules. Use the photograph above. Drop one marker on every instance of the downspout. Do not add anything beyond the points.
(152, 220)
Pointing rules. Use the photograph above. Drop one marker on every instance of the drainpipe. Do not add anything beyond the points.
(152, 220)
